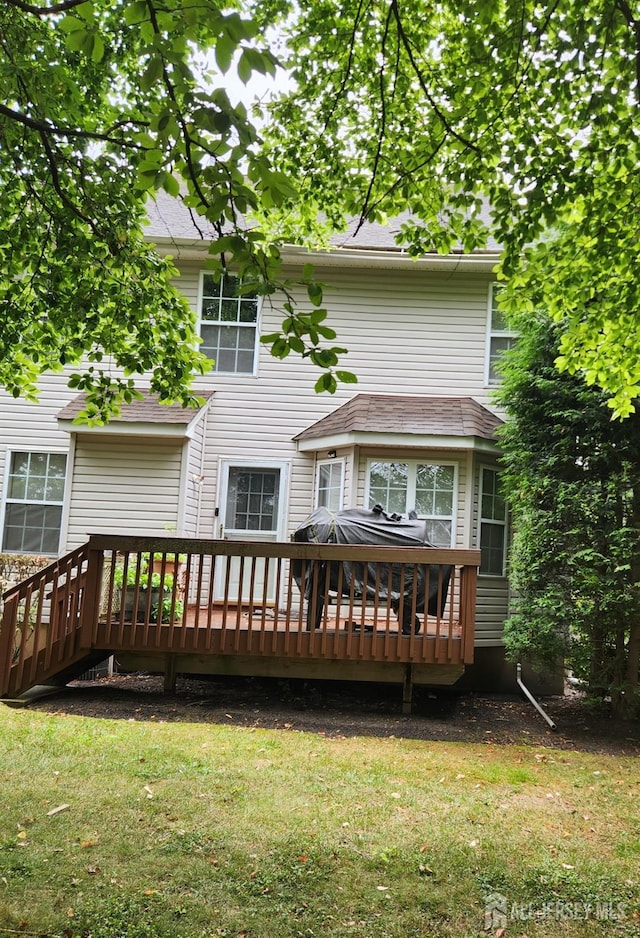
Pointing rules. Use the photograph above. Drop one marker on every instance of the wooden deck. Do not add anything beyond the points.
(243, 607)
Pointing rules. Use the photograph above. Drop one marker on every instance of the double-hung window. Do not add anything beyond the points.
(228, 325)
(493, 524)
(429, 488)
(330, 484)
(33, 503)
(500, 337)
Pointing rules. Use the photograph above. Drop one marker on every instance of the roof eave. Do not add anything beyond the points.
(334, 441)
(132, 428)
(485, 262)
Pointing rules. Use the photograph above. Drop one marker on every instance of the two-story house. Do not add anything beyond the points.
(417, 432)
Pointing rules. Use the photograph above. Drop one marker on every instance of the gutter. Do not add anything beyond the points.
(531, 698)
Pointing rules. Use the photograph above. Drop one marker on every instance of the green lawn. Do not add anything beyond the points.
(197, 830)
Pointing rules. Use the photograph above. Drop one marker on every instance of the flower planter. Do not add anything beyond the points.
(176, 569)
(146, 598)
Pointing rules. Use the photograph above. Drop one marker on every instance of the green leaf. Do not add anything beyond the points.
(244, 67)
(135, 12)
(152, 73)
(171, 185)
(314, 291)
(71, 24)
(347, 377)
(325, 382)
(280, 348)
(224, 52)
(76, 41)
(98, 49)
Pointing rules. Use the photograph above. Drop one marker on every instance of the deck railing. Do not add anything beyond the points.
(178, 596)
(42, 622)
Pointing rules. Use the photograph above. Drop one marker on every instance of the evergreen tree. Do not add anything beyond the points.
(572, 477)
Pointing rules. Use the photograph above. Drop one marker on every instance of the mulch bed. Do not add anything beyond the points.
(350, 709)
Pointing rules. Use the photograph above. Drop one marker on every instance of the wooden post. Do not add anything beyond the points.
(468, 584)
(7, 632)
(407, 689)
(170, 674)
(91, 597)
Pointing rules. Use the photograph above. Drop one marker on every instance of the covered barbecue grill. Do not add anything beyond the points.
(407, 587)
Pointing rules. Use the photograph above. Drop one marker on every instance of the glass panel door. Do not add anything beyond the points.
(252, 502)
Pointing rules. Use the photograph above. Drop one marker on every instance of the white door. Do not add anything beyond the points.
(252, 508)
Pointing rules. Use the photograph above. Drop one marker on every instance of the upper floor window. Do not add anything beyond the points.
(330, 484)
(228, 325)
(499, 336)
(493, 524)
(33, 503)
(430, 488)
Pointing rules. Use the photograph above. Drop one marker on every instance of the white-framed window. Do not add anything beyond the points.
(34, 497)
(493, 523)
(429, 488)
(499, 337)
(330, 484)
(228, 325)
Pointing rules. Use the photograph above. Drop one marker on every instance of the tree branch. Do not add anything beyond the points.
(166, 78)
(383, 122)
(633, 24)
(61, 7)
(52, 130)
(347, 72)
(439, 113)
(57, 185)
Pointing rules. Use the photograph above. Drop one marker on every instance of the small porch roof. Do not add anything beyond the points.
(404, 420)
(144, 417)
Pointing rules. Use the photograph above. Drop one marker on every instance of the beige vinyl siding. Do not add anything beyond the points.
(409, 331)
(492, 606)
(121, 486)
(194, 482)
(33, 427)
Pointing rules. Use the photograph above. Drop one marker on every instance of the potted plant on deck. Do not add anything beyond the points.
(143, 591)
(173, 565)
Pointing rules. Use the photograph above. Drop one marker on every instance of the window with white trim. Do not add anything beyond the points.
(228, 325)
(330, 484)
(500, 337)
(493, 524)
(429, 488)
(33, 502)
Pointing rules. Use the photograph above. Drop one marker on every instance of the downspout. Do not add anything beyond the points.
(531, 698)
(201, 478)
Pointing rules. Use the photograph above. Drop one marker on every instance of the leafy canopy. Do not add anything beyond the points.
(436, 106)
(101, 105)
(444, 106)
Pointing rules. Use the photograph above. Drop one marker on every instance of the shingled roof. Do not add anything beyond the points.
(146, 410)
(419, 415)
(169, 219)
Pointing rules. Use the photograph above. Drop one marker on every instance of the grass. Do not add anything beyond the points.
(196, 831)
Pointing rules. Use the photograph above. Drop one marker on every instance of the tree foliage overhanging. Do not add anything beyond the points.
(572, 479)
(436, 107)
(103, 103)
(442, 107)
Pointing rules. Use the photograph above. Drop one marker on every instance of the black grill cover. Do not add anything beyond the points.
(359, 526)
